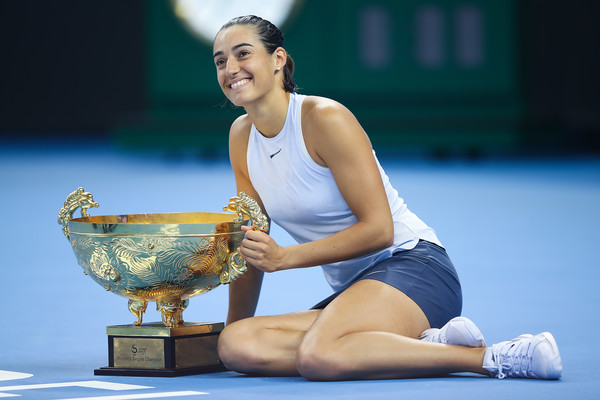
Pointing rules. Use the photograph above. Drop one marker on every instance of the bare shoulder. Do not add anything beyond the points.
(320, 109)
(240, 129)
(325, 121)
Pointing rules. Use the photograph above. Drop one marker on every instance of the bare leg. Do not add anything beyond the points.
(265, 345)
(368, 332)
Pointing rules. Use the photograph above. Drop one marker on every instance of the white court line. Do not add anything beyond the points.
(9, 395)
(87, 384)
(140, 396)
(10, 375)
(111, 385)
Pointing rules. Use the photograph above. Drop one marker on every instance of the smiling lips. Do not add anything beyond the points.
(239, 83)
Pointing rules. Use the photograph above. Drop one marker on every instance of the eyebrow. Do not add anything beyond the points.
(237, 46)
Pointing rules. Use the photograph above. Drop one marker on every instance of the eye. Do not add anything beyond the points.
(219, 62)
(243, 53)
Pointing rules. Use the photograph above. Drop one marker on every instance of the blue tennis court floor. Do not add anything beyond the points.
(522, 233)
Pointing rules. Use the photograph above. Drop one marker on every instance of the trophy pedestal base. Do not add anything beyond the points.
(162, 373)
(155, 350)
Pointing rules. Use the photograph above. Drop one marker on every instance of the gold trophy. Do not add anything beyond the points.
(166, 258)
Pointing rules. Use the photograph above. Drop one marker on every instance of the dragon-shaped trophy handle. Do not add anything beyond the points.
(242, 205)
(78, 199)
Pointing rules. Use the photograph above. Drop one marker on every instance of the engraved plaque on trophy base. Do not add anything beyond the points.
(155, 350)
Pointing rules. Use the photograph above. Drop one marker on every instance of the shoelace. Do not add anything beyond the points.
(512, 359)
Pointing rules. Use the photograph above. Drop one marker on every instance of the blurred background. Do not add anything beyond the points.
(445, 77)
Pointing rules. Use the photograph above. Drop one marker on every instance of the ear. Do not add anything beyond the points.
(280, 58)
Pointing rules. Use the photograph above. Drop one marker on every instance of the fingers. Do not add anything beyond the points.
(253, 244)
(249, 247)
(254, 257)
(257, 248)
(253, 234)
(252, 228)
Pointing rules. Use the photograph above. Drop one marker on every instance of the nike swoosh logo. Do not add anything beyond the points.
(274, 154)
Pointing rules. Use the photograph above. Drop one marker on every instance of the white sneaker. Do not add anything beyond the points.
(526, 356)
(459, 331)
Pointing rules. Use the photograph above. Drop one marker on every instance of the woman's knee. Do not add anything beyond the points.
(321, 361)
(235, 347)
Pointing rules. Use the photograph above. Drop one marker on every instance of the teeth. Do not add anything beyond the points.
(240, 83)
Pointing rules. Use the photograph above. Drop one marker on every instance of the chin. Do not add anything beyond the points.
(238, 100)
(236, 103)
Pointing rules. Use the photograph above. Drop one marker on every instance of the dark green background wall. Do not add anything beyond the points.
(401, 100)
(129, 72)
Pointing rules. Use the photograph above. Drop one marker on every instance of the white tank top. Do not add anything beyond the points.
(303, 198)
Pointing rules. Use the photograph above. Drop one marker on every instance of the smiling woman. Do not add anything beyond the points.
(237, 47)
(310, 166)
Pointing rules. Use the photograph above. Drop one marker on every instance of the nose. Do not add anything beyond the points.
(232, 67)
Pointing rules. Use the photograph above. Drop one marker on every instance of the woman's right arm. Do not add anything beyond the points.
(245, 290)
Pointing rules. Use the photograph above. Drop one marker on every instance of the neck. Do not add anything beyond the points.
(268, 115)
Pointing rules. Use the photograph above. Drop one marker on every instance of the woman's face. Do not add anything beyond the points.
(245, 70)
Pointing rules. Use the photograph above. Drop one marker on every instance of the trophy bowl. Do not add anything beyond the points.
(166, 258)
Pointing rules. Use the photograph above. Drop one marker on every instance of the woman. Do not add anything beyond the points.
(311, 167)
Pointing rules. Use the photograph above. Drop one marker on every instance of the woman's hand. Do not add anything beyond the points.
(261, 251)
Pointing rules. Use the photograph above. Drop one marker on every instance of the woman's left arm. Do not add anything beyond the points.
(334, 139)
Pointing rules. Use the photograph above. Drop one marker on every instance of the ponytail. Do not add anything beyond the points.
(288, 75)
